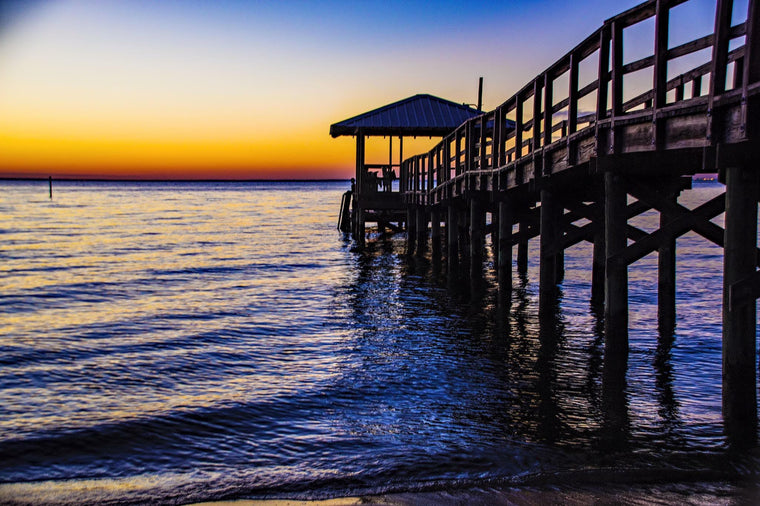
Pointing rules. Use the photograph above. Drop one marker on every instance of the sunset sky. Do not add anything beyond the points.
(244, 89)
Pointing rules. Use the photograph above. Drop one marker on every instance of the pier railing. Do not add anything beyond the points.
(556, 121)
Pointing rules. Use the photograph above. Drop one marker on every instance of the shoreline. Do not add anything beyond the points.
(692, 493)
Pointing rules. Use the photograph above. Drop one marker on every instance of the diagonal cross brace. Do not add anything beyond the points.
(684, 220)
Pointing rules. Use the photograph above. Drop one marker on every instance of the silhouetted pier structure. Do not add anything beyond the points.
(572, 157)
(375, 196)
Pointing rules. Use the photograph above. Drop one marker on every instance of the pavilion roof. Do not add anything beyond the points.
(423, 115)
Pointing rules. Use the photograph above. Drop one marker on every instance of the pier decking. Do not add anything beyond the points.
(543, 161)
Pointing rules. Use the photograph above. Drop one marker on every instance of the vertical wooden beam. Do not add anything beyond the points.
(616, 275)
(458, 151)
(359, 224)
(666, 280)
(751, 74)
(572, 108)
(616, 88)
(616, 49)
(411, 228)
(518, 127)
(469, 145)
(422, 229)
(504, 251)
(602, 94)
(696, 87)
(599, 258)
(483, 142)
(359, 162)
(739, 323)
(551, 215)
(497, 141)
(430, 172)
(400, 149)
(718, 67)
(452, 238)
(537, 86)
(680, 89)
(522, 249)
(390, 152)
(477, 237)
(435, 232)
(548, 103)
(660, 80)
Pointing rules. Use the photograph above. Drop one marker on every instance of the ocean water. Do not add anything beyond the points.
(168, 343)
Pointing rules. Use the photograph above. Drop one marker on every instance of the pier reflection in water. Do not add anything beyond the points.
(173, 359)
(517, 377)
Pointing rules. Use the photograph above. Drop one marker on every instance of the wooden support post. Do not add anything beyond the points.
(551, 215)
(616, 274)
(739, 323)
(422, 229)
(50, 186)
(666, 280)
(477, 236)
(411, 229)
(522, 249)
(435, 234)
(718, 64)
(452, 239)
(358, 230)
(660, 81)
(599, 261)
(504, 251)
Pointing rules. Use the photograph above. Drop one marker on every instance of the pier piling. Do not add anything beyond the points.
(452, 239)
(739, 317)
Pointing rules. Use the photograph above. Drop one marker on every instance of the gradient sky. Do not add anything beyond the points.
(243, 89)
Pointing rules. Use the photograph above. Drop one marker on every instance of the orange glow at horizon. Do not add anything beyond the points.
(239, 90)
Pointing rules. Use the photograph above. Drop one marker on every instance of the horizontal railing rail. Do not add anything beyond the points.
(543, 115)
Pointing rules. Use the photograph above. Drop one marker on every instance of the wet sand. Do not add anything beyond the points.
(720, 493)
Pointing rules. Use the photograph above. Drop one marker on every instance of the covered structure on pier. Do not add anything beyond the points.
(376, 197)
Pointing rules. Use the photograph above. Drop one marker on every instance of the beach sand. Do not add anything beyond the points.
(720, 493)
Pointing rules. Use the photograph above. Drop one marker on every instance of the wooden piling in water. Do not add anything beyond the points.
(599, 259)
(435, 232)
(50, 186)
(477, 237)
(616, 272)
(411, 229)
(666, 278)
(422, 229)
(522, 249)
(739, 317)
(551, 214)
(452, 239)
(504, 250)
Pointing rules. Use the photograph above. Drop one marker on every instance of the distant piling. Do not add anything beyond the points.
(50, 186)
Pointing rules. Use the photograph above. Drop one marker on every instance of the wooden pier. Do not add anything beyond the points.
(546, 165)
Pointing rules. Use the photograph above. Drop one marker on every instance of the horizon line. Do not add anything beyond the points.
(172, 180)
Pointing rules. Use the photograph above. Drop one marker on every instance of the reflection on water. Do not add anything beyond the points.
(177, 342)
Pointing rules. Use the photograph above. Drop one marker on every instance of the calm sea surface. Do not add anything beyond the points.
(177, 342)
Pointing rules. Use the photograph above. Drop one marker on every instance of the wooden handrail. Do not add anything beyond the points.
(480, 143)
